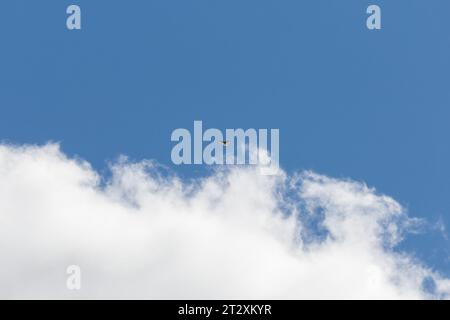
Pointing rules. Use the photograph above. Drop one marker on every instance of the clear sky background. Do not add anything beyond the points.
(369, 105)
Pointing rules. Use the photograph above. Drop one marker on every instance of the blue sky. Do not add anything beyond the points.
(349, 102)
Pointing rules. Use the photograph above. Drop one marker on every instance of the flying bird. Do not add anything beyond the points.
(225, 142)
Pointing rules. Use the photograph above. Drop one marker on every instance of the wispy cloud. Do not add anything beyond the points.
(235, 234)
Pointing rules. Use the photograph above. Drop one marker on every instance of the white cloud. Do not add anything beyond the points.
(235, 234)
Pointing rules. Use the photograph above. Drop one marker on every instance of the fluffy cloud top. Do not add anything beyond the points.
(143, 233)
